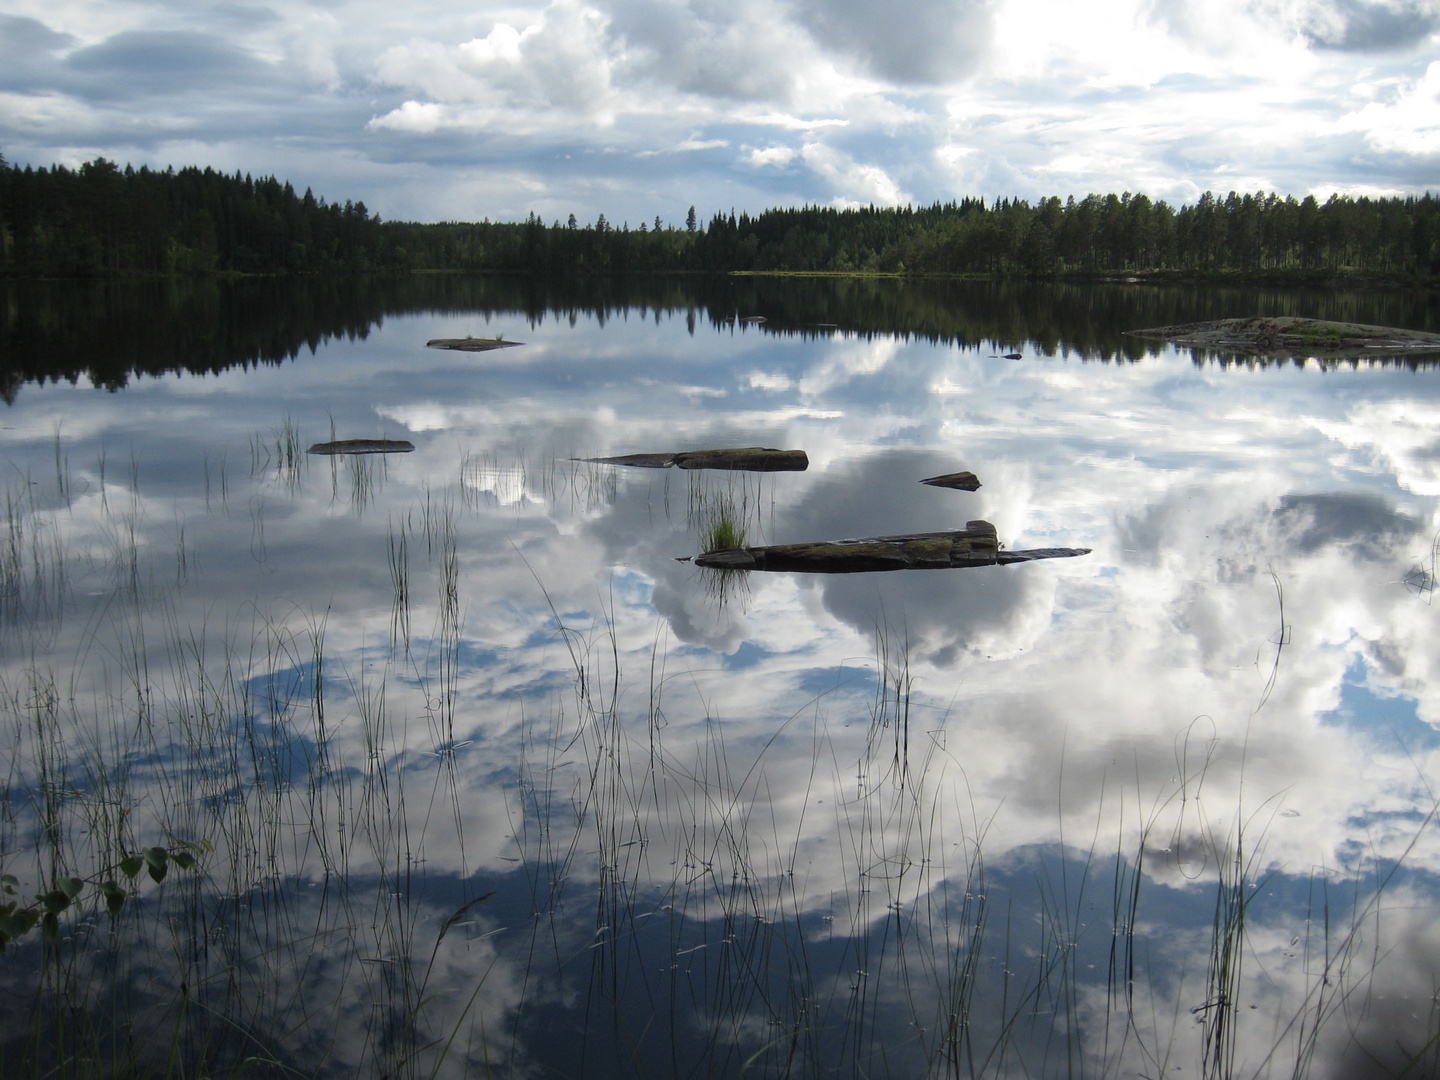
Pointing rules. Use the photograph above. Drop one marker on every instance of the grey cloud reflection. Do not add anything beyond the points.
(941, 613)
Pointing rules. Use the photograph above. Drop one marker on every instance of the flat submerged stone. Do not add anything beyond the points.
(471, 344)
(362, 446)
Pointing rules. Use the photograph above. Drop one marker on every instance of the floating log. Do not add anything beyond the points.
(742, 458)
(1289, 336)
(975, 545)
(362, 446)
(960, 481)
(746, 458)
(471, 344)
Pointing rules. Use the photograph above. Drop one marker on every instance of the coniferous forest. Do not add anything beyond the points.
(102, 220)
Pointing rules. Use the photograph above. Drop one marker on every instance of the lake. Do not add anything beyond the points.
(482, 776)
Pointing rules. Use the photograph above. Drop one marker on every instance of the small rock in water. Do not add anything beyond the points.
(1014, 356)
(960, 481)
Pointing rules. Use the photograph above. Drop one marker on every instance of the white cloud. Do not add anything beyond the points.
(420, 116)
(771, 155)
(771, 383)
(855, 182)
(1407, 123)
(694, 143)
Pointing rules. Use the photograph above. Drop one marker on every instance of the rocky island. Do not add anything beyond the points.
(1289, 337)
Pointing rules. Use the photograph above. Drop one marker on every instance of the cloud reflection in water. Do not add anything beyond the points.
(828, 757)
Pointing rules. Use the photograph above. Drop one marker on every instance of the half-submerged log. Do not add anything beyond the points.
(960, 481)
(471, 344)
(1290, 336)
(362, 446)
(741, 458)
(975, 545)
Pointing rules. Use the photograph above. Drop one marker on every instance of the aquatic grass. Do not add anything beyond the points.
(215, 473)
(399, 564)
(723, 533)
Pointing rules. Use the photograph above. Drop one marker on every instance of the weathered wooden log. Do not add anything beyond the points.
(362, 446)
(960, 481)
(742, 458)
(471, 344)
(745, 458)
(975, 545)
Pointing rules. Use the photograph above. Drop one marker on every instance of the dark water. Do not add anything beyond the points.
(109, 332)
(1161, 808)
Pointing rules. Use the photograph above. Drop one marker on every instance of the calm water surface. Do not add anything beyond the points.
(497, 785)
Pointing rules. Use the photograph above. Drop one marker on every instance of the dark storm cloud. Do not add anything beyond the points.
(908, 41)
(941, 611)
(1242, 540)
(27, 52)
(168, 63)
(1366, 523)
(21, 38)
(1367, 26)
(702, 51)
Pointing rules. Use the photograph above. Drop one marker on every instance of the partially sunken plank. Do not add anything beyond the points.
(960, 481)
(1290, 336)
(741, 458)
(471, 344)
(363, 446)
(975, 545)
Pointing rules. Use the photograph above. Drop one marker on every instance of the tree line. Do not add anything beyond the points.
(101, 220)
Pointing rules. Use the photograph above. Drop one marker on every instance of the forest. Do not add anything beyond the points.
(101, 220)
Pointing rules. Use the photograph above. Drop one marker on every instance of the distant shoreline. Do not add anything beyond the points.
(1340, 278)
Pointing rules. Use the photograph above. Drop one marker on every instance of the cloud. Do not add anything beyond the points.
(855, 183)
(639, 107)
(417, 116)
(770, 383)
(1371, 25)
(741, 52)
(1407, 121)
(906, 41)
(21, 37)
(559, 66)
(771, 155)
(167, 63)
(1363, 522)
(695, 143)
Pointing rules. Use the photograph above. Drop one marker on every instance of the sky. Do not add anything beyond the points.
(641, 108)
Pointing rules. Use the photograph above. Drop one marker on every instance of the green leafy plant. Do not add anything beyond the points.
(18, 918)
